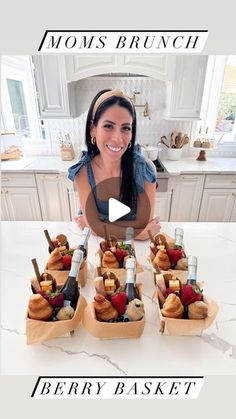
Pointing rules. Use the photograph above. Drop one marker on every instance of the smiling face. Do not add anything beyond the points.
(113, 132)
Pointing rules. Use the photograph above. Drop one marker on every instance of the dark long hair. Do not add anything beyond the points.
(128, 192)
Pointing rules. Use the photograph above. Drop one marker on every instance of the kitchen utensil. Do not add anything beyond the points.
(165, 141)
(185, 140)
(173, 138)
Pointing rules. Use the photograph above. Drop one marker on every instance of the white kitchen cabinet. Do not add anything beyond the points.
(73, 198)
(162, 210)
(233, 213)
(53, 197)
(186, 198)
(217, 205)
(5, 216)
(20, 204)
(54, 98)
(184, 93)
(158, 66)
(19, 197)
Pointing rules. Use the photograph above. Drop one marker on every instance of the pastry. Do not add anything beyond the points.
(182, 264)
(206, 144)
(197, 310)
(172, 307)
(197, 143)
(65, 313)
(39, 308)
(161, 260)
(160, 240)
(55, 261)
(109, 260)
(62, 239)
(135, 310)
(104, 309)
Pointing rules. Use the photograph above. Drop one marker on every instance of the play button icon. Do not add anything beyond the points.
(116, 209)
(105, 207)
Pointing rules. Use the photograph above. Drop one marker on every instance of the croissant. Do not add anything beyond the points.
(55, 260)
(197, 310)
(135, 310)
(39, 308)
(173, 307)
(104, 309)
(109, 260)
(161, 260)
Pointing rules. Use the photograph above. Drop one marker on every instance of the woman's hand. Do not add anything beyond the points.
(79, 219)
(153, 225)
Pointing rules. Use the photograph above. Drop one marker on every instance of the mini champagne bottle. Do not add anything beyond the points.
(192, 270)
(129, 236)
(83, 240)
(130, 278)
(71, 289)
(179, 233)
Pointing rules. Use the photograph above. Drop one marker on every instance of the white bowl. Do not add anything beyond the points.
(150, 152)
(174, 153)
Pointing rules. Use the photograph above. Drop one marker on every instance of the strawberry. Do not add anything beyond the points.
(174, 255)
(169, 291)
(190, 294)
(121, 254)
(56, 299)
(66, 260)
(119, 300)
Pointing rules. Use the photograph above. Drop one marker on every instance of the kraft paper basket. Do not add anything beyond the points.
(61, 276)
(38, 331)
(119, 272)
(151, 256)
(183, 327)
(106, 330)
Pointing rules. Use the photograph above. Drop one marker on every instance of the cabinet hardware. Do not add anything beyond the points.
(233, 181)
(189, 178)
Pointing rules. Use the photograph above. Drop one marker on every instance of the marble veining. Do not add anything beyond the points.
(152, 353)
(103, 357)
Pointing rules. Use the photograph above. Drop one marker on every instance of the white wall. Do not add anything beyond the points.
(148, 130)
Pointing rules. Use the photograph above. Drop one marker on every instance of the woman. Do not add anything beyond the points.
(113, 161)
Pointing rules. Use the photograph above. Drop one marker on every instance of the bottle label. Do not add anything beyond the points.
(130, 276)
(192, 277)
(178, 241)
(76, 262)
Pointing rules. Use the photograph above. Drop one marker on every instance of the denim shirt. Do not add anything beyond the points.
(143, 172)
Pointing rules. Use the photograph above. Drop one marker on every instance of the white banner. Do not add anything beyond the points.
(118, 388)
(123, 41)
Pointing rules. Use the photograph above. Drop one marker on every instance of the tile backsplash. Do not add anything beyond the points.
(149, 130)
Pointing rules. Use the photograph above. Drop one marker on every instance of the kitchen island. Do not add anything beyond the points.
(212, 353)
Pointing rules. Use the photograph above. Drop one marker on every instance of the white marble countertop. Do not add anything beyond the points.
(213, 353)
(54, 164)
(213, 165)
